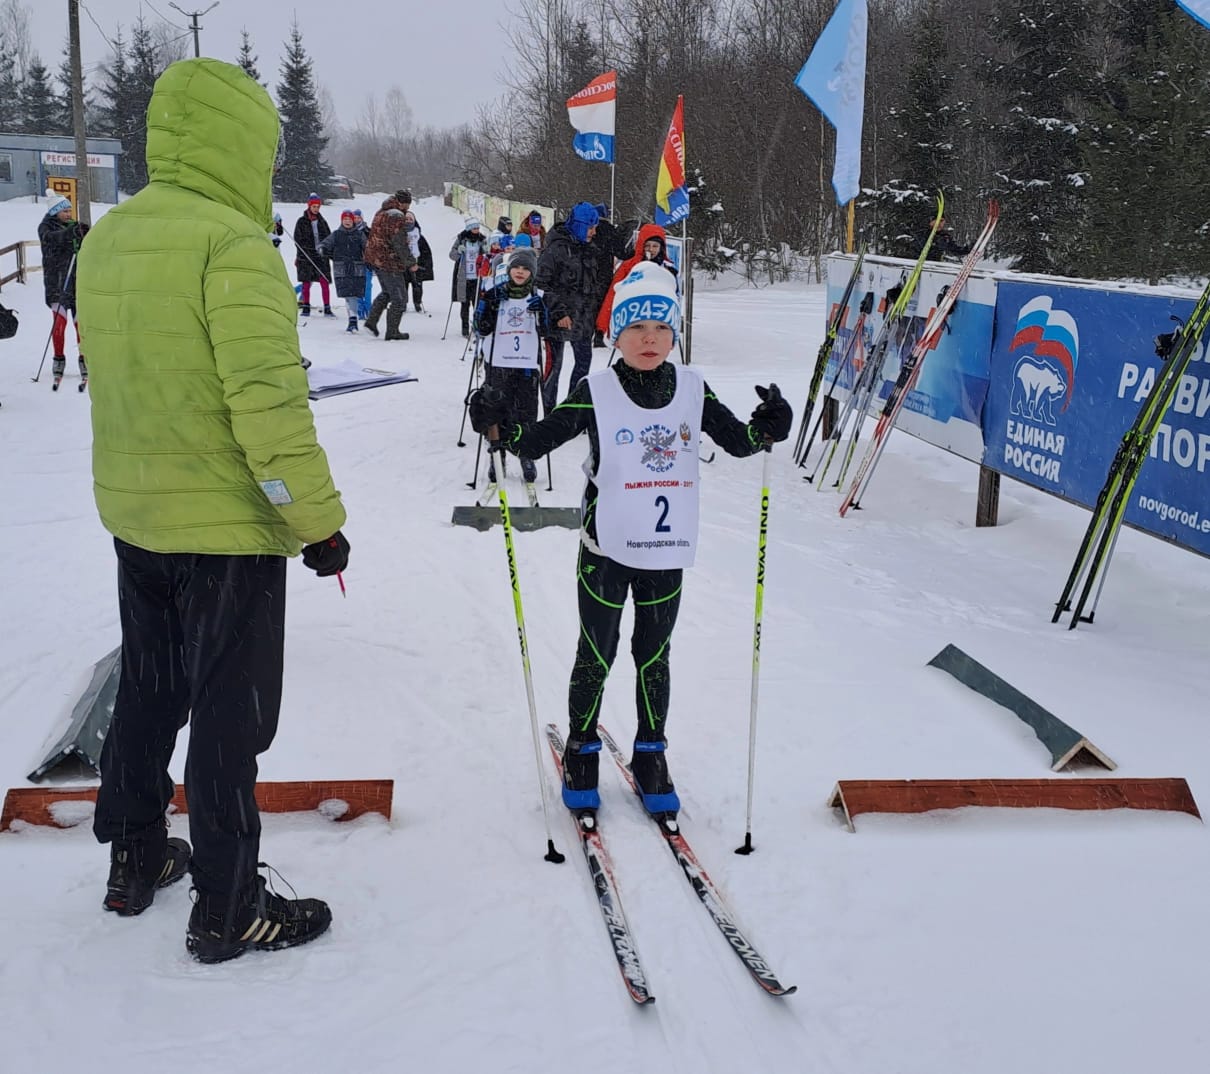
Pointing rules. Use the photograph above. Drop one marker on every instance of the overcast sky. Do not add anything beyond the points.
(446, 55)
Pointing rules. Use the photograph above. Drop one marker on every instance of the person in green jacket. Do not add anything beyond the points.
(207, 472)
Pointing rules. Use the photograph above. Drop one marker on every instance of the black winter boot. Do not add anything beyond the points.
(328, 311)
(260, 920)
(137, 867)
(394, 316)
(306, 310)
(379, 304)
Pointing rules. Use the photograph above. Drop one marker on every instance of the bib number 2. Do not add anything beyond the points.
(661, 525)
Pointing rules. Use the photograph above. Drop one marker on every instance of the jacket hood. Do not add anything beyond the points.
(651, 231)
(213, 130)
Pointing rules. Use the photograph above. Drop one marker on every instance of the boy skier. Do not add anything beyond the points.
(644, 417)
(512, 313)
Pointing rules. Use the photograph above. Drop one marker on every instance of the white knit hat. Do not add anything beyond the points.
(59, 205)
(648, 293)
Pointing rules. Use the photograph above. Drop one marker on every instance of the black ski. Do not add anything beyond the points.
(703, 886)
(600, 868)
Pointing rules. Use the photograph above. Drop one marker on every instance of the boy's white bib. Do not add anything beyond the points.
(647, 477)
(516, 345)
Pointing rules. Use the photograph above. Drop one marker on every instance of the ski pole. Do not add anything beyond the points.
(552, 855)
(747, 847)
(466, 400)
(71, 265)
(447, 320)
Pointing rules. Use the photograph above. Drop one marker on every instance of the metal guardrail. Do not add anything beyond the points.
(24, 268)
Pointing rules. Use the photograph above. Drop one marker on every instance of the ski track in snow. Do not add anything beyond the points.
(989, 941)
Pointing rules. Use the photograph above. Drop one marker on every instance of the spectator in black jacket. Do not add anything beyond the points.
(309, 263)
(568, 276)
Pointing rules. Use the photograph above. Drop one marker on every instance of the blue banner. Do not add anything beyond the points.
(594, 146)
(1070, 367)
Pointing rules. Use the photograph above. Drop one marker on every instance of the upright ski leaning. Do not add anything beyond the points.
(1176, 349)
(866, 384)
(909, 373)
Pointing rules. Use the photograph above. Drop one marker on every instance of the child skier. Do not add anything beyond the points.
(468, 253)
(346, 246)
(512, 313)
(651, 245)
(644, 417)
(60, 236)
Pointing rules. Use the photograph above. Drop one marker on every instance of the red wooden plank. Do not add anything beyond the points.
(35, 805)
(857, 796)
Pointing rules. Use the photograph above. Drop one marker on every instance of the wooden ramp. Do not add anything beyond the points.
(856, 796)
(1066, 745)
(336, 799)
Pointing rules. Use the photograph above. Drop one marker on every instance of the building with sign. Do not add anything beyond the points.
(32, 163)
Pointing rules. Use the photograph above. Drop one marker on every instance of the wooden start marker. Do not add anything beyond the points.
(856, 796)
(339, 799)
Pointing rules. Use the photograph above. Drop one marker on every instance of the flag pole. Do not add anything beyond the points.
(612, 171)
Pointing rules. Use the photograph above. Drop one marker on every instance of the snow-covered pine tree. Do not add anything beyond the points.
(303, 167)
(65, 121)
(38, 112)
(139, 69)
(247, 60)
(1042, 68)
(925, 127)
(10, 90)
(1147, 149)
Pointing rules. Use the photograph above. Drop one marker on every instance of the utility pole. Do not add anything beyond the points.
(83, 205)
(193, 16)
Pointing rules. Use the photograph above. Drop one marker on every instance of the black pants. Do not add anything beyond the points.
(581, 350)
(417, 287)
(392, 298)
(202, 641)
(520, 388)
(602, 585)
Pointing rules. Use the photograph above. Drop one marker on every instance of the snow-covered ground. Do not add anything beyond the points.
(993, 942)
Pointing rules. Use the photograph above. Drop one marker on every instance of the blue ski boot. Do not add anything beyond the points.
(650, 769)
(581, 762)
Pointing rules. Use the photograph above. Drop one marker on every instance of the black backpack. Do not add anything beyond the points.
(8, 323)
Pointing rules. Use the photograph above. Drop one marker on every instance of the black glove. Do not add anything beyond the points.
(488, 407)
(773, 417)
(534, 303)
(329, 557)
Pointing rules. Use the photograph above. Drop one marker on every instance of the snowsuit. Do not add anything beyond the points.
(567, 275)
(309, 264)
(520, 386)
(602, 583)
(206, 467)
(346, 247)
(60, 244)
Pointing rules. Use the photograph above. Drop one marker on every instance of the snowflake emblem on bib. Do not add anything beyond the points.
(659, 455)
(515, 317)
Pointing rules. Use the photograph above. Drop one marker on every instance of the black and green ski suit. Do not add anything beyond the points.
(603, 583)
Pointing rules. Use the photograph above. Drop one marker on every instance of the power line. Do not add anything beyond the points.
(98, 26)
(165, 18)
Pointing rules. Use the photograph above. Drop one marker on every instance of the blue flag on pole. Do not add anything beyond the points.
(1199, 9)
(834, 78)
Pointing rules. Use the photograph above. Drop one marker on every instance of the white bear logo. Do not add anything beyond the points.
(1036, 386)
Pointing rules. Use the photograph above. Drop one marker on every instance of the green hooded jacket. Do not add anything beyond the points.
(203, 439)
